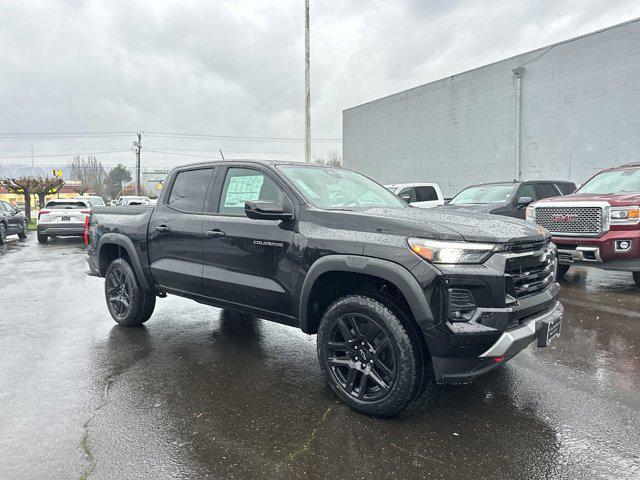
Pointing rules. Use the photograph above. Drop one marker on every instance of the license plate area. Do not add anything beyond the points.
(66, 219)
(548, 330)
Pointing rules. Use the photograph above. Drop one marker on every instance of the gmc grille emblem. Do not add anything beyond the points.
(565, 218)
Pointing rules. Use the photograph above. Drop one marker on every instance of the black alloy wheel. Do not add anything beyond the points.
(130, 305)
(369, 355)
(361, 357)
(119, 292)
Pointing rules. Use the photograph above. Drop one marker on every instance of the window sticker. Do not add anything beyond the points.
(242, 189)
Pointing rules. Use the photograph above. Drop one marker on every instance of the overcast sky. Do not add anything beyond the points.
(236, 67)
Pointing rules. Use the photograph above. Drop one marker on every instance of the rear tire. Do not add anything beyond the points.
(562, 271)
(24, 233)
(42, 238)
(3, 233)
(368, 356)
(128, 303)
(636, 278)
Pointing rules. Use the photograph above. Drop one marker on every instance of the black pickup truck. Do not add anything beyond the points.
(397, 295)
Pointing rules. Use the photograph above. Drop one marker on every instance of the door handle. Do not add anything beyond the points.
(163, 229)
(214, 233)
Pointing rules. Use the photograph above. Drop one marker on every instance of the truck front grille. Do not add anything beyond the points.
(570, 220)
(530, 274)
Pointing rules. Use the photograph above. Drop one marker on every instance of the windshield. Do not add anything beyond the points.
(336, 188)
(620, 181)
(483, 194)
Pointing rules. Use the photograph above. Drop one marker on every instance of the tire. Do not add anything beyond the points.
(368, 356)
(636, 278)
(3, 233)
(24, 233)
(42, 238)
(128, 303)
(562, 271)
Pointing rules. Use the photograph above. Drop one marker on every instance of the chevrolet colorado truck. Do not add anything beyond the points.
(598, 225)
(397, 295)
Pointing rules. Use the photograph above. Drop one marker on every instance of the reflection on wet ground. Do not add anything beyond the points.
(204, 393)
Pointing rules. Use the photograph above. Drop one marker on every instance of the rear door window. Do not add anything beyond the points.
(546, 190)
(427, 194)
(189, 190)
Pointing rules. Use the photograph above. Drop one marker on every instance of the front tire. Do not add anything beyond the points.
(562, 271)
(368, 356)
(3, 233)
(129, 304)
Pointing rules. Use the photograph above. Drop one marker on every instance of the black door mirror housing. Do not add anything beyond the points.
(259, 210)
(524, 201)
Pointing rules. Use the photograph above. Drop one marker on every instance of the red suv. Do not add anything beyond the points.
(598, 225)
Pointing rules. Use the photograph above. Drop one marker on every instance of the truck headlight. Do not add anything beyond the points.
(436, 251)
(530, 213)
(624, 215)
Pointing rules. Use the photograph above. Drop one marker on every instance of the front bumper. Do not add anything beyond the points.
(601, 252)
(456, 370)
(61, 229)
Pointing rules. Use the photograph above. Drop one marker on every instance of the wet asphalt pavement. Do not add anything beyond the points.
(205, 393)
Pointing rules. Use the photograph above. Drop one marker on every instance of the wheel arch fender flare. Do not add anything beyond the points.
(376, 267)
(126, 243)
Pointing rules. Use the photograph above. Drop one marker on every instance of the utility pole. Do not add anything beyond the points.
(32, 164)
(307, 86)
(517, 76)
(138, 147)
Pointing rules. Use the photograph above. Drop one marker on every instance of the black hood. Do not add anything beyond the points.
(438, 224)
(473, 207)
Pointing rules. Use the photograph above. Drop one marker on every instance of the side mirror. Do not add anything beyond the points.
(266, 211)
(406, 197)
(524, 201)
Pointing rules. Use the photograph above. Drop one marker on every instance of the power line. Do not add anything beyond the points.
(66, 154)
(235, 137)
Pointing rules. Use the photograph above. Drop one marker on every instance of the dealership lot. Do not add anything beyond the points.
(205, 393)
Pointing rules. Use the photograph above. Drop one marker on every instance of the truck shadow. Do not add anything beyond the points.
(244, 394)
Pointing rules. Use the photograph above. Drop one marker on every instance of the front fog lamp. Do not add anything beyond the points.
(436, 251)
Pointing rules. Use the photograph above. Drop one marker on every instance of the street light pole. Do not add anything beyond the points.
(138, 146)
(307, 86)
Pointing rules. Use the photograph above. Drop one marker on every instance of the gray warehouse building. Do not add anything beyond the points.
(564, 111)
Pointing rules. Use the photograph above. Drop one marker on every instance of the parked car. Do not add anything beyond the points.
(62, 218)
(94, 200)
(423, 195)
(131, 200)
(599, 225)
(507, 198)
(397, 295)
(12, 222)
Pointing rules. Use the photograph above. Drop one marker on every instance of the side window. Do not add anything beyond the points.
(426, 194)
(245, 184)
(546, 190)
(527, 191)
(4, 206)
(411, 191)
(189, 190)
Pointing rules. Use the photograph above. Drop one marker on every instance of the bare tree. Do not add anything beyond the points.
(21, 186)
(331, 159)
(90, 173)
(44, 186)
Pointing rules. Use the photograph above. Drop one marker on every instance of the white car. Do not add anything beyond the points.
(132, 200)
(61, 218)
(422, 195)
(94, 200)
